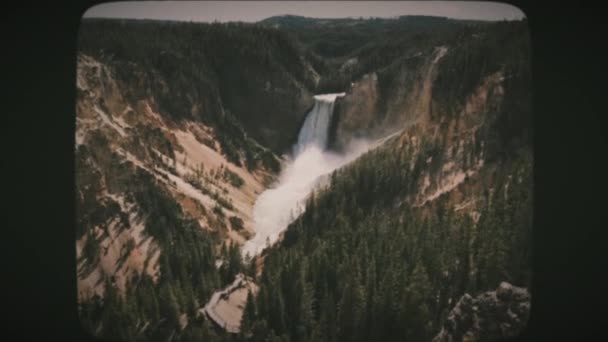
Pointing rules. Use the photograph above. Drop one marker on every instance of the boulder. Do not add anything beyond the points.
(504, 291)
(491, 315)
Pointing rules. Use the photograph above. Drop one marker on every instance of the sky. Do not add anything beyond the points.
(252, 11)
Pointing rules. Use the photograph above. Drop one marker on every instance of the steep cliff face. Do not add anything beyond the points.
(441, 210)
(121, 146)
(356, 113)
(382, 102)
(432, 85)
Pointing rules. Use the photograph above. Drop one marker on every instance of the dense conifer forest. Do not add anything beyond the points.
(362, 265)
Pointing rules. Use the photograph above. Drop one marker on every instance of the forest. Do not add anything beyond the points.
(362, 265)
(188, 274)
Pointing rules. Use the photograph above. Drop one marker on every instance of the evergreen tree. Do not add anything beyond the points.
(249, 315)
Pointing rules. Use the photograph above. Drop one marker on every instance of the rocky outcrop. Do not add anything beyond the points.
(492, 315)
(395, 96)
(355, 113)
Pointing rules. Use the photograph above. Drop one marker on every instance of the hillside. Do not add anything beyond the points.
(166, 173)
(440, 211)
(343, 50)
(252, 76)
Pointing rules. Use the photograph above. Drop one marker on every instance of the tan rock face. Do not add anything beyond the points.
(184, 158)
(355, 113)
(490, 316)
(367, 110)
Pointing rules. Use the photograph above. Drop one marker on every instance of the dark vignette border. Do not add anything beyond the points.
(570, 172)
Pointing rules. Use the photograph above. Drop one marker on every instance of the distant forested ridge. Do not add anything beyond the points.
(373, 43)
(225, 75)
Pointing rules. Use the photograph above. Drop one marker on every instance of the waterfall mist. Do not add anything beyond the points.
(277, 207)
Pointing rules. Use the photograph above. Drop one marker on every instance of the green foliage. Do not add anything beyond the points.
(154, 138)
(220, 200)
(376, 43)
(213, 73)
(90, 211)
(187, 271)
(249, 314)
(334, 82)
(232, 264)
(475, 54)
(356, 269)
(349, 36)
(217, 209)
(236, 222)
(234, 179)
(91, 252)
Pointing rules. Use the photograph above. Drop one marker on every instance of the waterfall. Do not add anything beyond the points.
(315, 129)
(277, 207)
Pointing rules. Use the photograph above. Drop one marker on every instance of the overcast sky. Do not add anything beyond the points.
(251, 11)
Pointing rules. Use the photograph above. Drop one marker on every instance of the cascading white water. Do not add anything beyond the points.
(277, 207)
(315, 129)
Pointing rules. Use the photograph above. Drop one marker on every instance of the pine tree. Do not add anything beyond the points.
(327, 320)
(168, 305)
(347, 312)
(249, 314)
(305, 310)
(418, 293)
